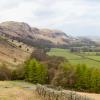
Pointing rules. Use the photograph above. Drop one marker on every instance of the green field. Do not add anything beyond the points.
(94, 57)
(89, 58)
(64, 53)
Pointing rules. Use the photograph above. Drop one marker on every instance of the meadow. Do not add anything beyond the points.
(88, 58)
(14, 90)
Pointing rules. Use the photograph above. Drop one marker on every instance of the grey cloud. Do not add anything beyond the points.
(72, 16)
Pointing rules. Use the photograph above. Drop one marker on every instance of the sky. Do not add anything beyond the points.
(74, 17)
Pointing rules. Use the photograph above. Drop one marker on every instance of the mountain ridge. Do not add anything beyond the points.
(22, 29)
(35, 36)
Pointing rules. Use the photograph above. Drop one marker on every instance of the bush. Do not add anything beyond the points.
(79, 77)
(5, 73)
(65, 76)
(18, 74)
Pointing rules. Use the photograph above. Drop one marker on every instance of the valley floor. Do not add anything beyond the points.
(14, 90)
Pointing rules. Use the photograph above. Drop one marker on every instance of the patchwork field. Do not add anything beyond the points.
(88, 58)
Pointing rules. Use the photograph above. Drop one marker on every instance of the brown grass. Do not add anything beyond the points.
(13, 91)
(9, 52)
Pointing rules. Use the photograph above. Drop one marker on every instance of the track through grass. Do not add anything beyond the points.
(77, 58)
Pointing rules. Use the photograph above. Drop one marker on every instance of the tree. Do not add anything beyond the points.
(95, 80)
(35, 72)
(42, 73)
(65, 76)
(78, 77)
(82, 77)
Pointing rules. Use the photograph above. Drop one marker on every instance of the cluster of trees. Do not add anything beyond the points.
(78, 77)
(35, 72)
(51, 62)
(31, 71)
(54, 71)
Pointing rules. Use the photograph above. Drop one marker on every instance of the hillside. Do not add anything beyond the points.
(18, 41)
(39, 37)
(29, 34)
(11, 54)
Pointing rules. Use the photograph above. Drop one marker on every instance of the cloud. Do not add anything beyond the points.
(81, 17)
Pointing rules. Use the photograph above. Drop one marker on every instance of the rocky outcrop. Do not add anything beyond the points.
(24, 31)
(38, 37)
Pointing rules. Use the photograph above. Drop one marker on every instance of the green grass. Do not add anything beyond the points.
(77, 58)
(88, 62)
(64, 53)
(94, 57)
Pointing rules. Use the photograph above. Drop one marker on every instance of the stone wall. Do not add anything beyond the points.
(52, 94)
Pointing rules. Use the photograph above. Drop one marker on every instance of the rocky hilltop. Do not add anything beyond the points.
(39, 37)
(35, 36)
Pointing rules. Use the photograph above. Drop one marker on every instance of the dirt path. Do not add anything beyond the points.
(92, 95)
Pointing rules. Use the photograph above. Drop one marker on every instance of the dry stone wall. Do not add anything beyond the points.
(52, 94)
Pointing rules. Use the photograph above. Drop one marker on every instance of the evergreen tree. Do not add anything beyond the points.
(34, 71)
(26, 69)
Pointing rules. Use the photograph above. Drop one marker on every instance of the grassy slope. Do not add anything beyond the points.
(74, 58)
(17, 91)
(8, 52)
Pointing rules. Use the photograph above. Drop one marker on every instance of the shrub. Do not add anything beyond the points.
(79, 77)
(18, 74)
(5, 73)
